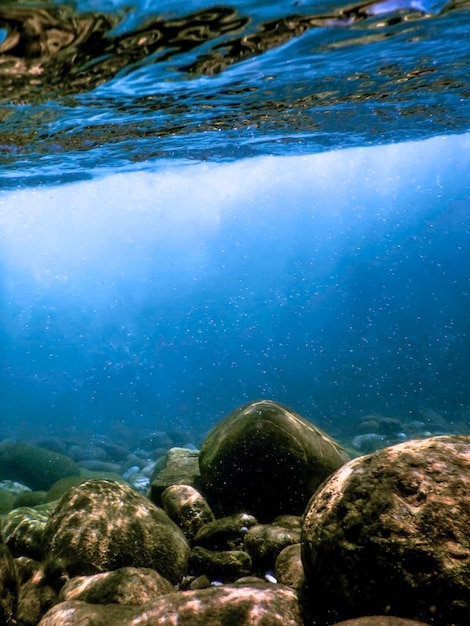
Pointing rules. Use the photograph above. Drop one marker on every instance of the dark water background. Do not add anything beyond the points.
(207, 204)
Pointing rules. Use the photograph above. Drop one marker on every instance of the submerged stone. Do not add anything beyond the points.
(257, 604)
(267, 460)
(127, 585)
(36, 593)
(103, 525)
(8, 586)
(181, 467)
(24, 530)
(389, 534)
(187, 508)
(36, 467)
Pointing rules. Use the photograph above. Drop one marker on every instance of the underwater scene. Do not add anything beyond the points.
(234, 313)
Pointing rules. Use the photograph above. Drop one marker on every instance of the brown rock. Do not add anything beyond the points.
(389, 534)
(267, 460)
(289, 569)
(76, 613)
(224, 566)
(187, 508)
(260, 604)
(8, 586)
(264, 542)
(181, 468)
(225, 533)
(127, 585)
(36, 594)
(103, 525)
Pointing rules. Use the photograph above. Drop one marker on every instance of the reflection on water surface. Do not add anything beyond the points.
(83, 87)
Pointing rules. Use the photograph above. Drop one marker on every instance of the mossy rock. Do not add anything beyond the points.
(7, 501)
(266, 460)
(36, 467)
(102, 525)
(23, 530)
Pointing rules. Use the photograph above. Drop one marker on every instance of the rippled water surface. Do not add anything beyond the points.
(99, 85)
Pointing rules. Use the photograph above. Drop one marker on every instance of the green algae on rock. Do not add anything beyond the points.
(388, 534)
(265, 459)
(102, 525)
(23, 530)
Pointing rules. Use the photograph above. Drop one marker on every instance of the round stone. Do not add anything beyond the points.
(102, 525)
(388, 534)
(266, 460)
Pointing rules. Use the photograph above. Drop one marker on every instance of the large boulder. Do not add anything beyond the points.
(263, 604)
(266, 460)
(36, 467)
(102, 525)
(388, 534)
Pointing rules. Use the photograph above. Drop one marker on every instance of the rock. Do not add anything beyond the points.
(225, 533)
(90, 452)
(289, 569)
(8, 587)
(103, 525)
(267, 460)
(261, 604)
(388, 534)
(264, 542)
(23, 530)
(94, 465)
(36, 595)
(369, 442)
(62, 485)
(36, 467)
(76, 613)
(31, 499)
(181, 467)
(127, 585)
(187, 508)
(7, 500)
(224, 566)
(388, 426)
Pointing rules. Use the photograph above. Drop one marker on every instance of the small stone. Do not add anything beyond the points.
(181, 467)
(264, 542)
(225, 533)
(187, 508)
(289, 569)
(225, 565)
(257, 604)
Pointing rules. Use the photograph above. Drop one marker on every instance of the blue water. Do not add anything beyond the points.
(201, 207)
